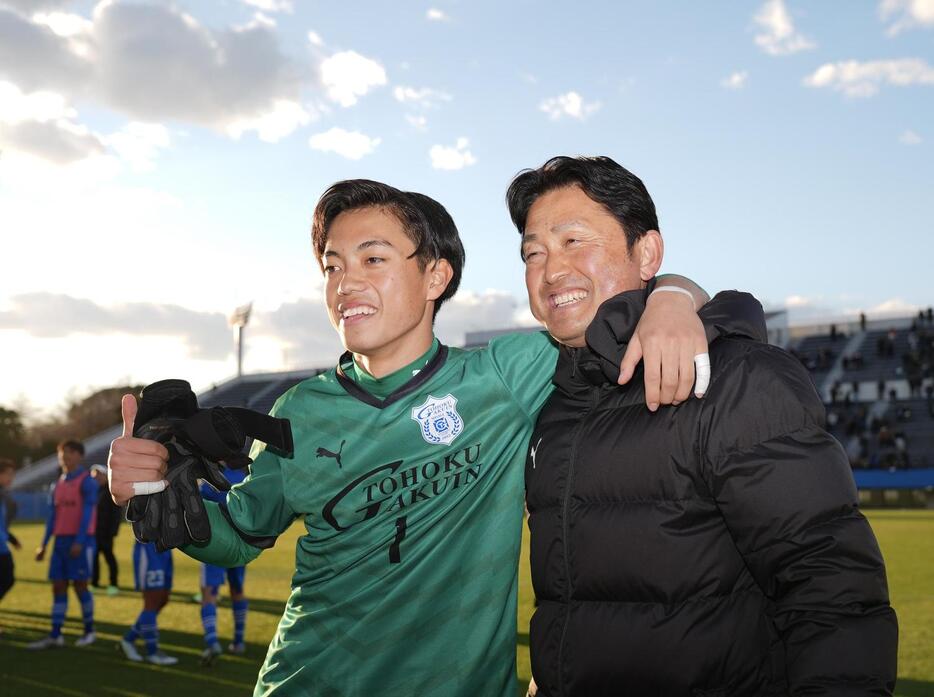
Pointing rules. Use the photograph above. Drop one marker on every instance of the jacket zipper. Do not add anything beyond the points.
(564, 527)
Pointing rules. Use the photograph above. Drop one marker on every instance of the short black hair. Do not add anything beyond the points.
(620, 191)
(425, 221)
(6, 464)
(445, 241)
(73, 445)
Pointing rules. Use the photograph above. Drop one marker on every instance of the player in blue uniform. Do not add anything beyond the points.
(72, 520)
(152, 572)
(212, 578)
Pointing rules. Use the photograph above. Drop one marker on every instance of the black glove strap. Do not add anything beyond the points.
(275, 433)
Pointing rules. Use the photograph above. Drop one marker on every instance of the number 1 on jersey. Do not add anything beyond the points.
(395, 555)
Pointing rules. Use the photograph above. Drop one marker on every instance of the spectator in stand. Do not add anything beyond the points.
(833, 332)
(109, 516)
(862, 321)
(930, 315)
(881, 387)
(885, 436)
(7, 511)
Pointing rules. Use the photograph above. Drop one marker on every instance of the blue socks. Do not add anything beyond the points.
(87, 610)
(239, 613)
(149, 630)
(209, 622)
(59, 610)
(134, 632)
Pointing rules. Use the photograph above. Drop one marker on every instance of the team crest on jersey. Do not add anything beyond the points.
(438, 419)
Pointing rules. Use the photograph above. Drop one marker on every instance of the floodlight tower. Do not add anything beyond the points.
(238, 320)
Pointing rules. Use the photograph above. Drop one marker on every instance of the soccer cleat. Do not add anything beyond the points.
(161, 659)
(86, 640)
(112, 590)
(237, 648)
(47, 643)
(210, 654)
(129, 650)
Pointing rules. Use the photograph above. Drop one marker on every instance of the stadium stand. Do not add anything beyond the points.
(876, 379)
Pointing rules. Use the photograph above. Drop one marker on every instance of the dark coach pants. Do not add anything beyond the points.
(105, 546)
(6, 574)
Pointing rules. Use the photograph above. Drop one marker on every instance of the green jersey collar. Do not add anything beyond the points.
(381, 392)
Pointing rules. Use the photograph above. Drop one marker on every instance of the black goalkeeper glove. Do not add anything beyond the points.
(198, 441)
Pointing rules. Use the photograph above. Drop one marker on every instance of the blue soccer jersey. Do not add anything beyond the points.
(152, 569)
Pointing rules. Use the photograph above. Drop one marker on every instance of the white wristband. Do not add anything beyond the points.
(674, 289)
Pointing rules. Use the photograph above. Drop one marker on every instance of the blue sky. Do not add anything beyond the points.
(160, 161)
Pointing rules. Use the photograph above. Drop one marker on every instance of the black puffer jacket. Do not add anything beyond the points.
(714, 548)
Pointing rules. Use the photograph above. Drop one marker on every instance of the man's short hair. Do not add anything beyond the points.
(620, 191)
(6, 464)
(425, 221)
(74, 445)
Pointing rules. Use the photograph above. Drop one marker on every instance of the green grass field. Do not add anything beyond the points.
(906, 537)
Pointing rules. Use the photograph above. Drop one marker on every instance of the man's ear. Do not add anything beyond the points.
(439, 275)
(651, 252)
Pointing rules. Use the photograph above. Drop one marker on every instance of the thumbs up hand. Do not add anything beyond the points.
(136, 466)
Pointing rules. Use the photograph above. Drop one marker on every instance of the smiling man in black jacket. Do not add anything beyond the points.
(715, 549)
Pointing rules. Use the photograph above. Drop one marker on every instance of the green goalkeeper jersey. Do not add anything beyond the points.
(411, 492)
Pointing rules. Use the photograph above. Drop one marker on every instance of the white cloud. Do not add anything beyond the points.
(51, 315)
(41, 124)
(417, 121)
(909, 137)
(798, 301)
(314, 38)
(470, 311)
(450, 158)
(64, 23)
(34, 6)
(348, 75)
(424, 97)
(435, 15)
(58, 142)
(350, 144)
(906, 14)
(856, 79)
(16, 106)
(271, 5)
(258, 20)
(35, 58)
(735, 81)
(274, 125)
(571, 105)
(138, 143)
(778, 34)
(151, 62)
(894, 307)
